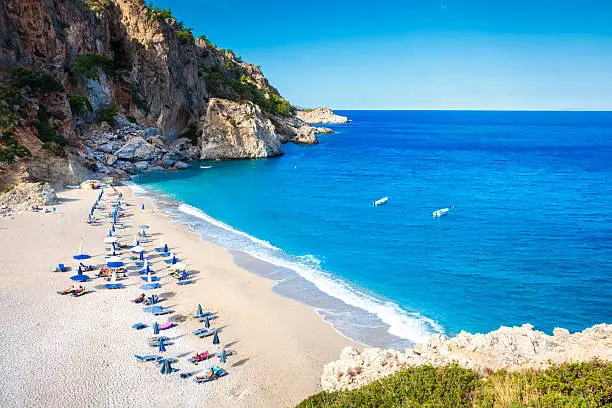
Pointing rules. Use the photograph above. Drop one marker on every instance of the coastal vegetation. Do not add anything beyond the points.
(570, 385)
(107, 114)
(87, 65)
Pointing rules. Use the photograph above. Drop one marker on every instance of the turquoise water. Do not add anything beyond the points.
(529, 239)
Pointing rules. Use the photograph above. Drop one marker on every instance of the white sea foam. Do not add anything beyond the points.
(404, 324)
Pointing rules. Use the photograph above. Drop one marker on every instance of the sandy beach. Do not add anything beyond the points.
(62, 351)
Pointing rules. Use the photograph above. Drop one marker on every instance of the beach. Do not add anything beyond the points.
(79, 351)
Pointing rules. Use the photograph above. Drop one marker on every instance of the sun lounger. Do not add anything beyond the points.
(227, 353)
(186, 375)
(164, 254)
(162, 312)
(167, 325)
(201, 333)
(153, 278)
(139, 326)
(169, 359)
(156, 343)
(169, 261)
(206, 355)
(198, 316)
(147, 358)
(59, 268)
(209, 315)
(149, 286)
(217, 372)
(114, 286)
(185, 282)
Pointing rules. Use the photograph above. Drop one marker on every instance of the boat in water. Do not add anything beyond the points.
(206, 167)
(441, 212)
(381, 201)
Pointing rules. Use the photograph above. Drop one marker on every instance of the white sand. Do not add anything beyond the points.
(60, 351)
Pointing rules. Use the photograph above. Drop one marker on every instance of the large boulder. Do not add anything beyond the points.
(238, 130)
(321, 116)
(25, 195)
(169, 159)
(306, 135)
(136, 149)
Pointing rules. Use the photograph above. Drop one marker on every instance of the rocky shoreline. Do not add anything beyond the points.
(320, 116)
(510, 348)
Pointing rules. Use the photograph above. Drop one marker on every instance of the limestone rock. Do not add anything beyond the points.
(136, 149)
(511, 348)
(321, 116)
(181, 165)
(170, 159)
(150, 132)
(306, 135)
(234, 130)
(141, 166)
(25, 195)
(323, 130)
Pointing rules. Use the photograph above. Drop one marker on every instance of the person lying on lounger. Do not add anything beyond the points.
(87, 268)
(68, 290)
(140, 298)
(36, 208)
(78, 291)
(200, 356)
(105, 272)
(209, 375)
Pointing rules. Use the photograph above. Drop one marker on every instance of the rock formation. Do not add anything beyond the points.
(511, 348)
(235, 130)
(26, 195)
(321, 116)
(75, 73)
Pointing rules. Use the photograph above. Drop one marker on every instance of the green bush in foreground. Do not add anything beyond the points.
(107, 114)
(576, 385)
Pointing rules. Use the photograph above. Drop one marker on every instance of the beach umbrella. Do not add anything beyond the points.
(199, 311)
(110, 233)
(155, 328)
(174, 260)
(80, 256)
(113, 227)
(144, 227)
(165, 247)
(111, 240)
(149, 277)
(142, 256)
(206, 322)
(178, 267)
(162, 346)
(222, 358)
(137, 249)
(142, 207)
(166, 367)
(79, 277)
(114, 264)
(216, 338)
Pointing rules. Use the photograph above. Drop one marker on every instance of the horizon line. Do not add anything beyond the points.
(471, 110)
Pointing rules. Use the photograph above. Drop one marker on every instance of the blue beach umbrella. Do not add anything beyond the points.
(222, 358)
(206, 322)
(174, 260)
(162, 346)
(80, 257)
(216, 338)
(114, 265)
(199, 310)
(166, 367)
(165, 247)
(79, 277)
(142, 208)
(110, 233)
(155, 328)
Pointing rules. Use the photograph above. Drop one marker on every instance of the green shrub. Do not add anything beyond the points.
(79, 104)
(185, 34)
(265, 98)
(47, 132)
(107, 114)
(87, 65)
(7, 189)
(131, 119)
(38, 82)
(7, 156)
(191, 133)
(576, 385)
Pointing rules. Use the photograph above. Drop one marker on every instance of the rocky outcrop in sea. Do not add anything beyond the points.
(510, 348)
(321, 116)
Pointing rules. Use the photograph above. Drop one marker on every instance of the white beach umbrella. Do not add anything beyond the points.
(110, 240)
(114, 259)
(178, 267)
(137, 249)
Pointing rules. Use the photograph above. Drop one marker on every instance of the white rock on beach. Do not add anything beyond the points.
(321, 116)
(511, 348)
(25, 195)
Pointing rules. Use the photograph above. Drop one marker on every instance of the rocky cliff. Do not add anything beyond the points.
(511, 348)
(68, 66)
(321, 116)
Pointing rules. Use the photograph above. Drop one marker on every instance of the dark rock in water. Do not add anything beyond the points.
(181, 165)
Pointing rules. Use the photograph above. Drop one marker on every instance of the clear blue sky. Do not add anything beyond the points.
(420, 54)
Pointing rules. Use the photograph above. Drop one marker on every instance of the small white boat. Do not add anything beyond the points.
(206, 167)
(441, 212)
(381, 201)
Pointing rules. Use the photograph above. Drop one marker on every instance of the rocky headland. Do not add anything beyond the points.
(114, 87)
(510, 348)
(321, 116)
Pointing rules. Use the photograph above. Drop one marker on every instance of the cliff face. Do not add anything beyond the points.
(124, 58)
(321, 116)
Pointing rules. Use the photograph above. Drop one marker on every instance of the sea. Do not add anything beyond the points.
(527, 238)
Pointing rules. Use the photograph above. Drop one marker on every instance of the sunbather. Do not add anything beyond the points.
(200, 356)
(209, 375)
(78, 291)
(140, 298)
(87, 268)
(68, 290)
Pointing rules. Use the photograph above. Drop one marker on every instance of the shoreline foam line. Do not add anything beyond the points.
(406, 325)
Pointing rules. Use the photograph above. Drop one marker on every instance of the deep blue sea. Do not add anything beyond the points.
(529, 239)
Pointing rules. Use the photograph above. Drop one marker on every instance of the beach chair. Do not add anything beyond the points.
(163, 311)
(147, 358)
(201, 333)
(164, 254)
(146, 278)
(204, 356)
(166, 325)
(139, 326)
(60, 268)
(207, 314)
(114, 286)
(217, 373)
(185, 282)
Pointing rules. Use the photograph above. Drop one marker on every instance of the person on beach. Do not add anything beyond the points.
(78, 291)
(140, 298)
(68, 290)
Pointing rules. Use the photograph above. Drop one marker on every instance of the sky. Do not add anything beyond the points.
(419, 54)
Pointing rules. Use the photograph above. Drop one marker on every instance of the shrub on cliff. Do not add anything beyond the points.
(107, 114)
(79, 104)
(575, 385)
(35, 81)
(48, 132)
(87, 65)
